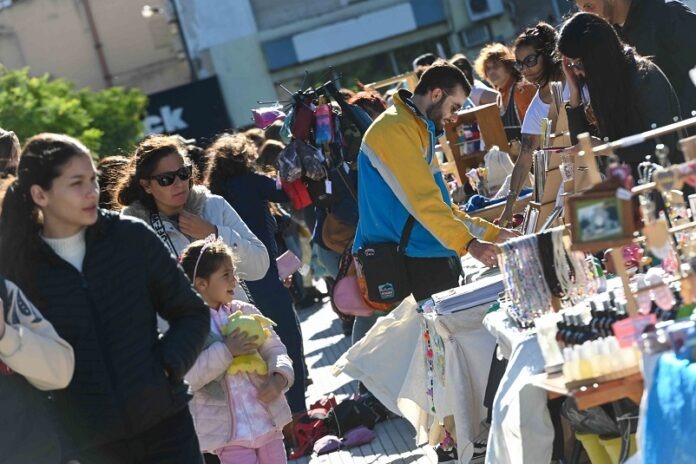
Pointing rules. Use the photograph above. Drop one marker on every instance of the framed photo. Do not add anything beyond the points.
(599, 220)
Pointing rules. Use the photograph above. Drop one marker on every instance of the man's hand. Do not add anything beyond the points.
(505, 235)
(484, 252)
(272, 388)
(194, 226)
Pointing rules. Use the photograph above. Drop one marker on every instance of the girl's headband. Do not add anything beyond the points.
(210, 240)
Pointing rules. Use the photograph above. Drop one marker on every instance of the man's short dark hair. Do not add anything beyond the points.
(442, 75)
(425, 59)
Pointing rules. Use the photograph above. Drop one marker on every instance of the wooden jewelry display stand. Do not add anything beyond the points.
(490, 125)
(492, 131)
(545, 202)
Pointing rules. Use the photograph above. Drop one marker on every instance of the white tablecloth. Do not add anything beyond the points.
(391, 362)
(521, 430)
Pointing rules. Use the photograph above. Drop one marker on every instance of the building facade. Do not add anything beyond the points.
(94, 43)
(253, 48)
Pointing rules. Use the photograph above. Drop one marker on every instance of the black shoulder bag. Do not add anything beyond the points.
(384, 267)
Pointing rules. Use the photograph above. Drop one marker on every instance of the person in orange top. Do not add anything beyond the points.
(496, 64)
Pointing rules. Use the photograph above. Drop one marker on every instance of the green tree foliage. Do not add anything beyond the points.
(107, 121)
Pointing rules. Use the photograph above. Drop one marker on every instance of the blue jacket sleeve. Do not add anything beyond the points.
(269, 190)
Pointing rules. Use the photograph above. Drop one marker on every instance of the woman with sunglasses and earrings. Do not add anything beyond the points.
(102, 280)
(158, 188)
(537, 60)
(628, 93)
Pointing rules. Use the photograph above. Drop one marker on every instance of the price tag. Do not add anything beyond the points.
(623, 194)
(665, 179)
(628, 331)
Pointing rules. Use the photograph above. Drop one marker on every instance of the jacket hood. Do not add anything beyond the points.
(195, 204)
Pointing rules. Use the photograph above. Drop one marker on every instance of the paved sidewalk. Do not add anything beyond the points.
(324, 344)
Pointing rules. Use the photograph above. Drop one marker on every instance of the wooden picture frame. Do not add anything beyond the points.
(599, 220)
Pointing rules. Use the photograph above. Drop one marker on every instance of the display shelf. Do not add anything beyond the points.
(490, 125)
(593, 393)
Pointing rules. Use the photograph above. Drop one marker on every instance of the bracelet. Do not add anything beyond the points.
(466, 247)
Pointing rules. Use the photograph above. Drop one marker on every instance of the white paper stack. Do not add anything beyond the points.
(469, 296)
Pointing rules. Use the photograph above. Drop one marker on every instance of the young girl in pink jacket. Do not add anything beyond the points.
(237, 417)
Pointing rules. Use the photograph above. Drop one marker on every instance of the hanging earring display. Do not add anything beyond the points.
(524, 279)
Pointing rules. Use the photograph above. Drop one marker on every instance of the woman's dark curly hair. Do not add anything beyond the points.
(543, 38)
(230, 155)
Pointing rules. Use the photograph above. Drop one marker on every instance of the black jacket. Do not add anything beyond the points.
(26, 433)
(654, 98)
(108, 313)
(666, 31)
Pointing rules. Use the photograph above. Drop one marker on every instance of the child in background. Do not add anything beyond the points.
(237, 417)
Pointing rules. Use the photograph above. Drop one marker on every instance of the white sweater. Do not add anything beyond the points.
(71, 249)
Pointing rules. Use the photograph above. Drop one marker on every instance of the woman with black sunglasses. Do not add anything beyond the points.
(538, 62)
(158, 188)
(102, 280)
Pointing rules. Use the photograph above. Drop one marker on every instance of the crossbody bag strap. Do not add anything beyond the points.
(5, 297)
(158, 226)
(406, 234)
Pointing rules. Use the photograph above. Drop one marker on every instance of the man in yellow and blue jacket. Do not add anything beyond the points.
(399, 175)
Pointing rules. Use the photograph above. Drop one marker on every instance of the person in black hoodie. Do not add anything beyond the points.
(664, 30)
(628, 93)
(101, 280)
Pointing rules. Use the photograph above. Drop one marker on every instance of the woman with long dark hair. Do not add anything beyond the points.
(230, 175)
(158, 188)
(628, 93)
(102, 280)
(537, 60)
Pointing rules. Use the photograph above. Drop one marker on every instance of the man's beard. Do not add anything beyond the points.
(434, 113)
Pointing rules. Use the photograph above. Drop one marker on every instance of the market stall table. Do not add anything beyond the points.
(595, 393)
(521, 429)
(428, 380)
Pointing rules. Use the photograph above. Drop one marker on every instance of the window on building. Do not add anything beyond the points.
(376, 67)
(273, 13)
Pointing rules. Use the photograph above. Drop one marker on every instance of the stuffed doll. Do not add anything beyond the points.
(251, 325)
